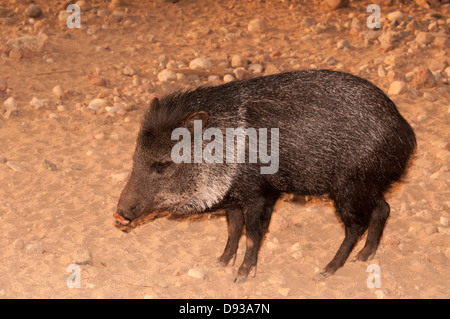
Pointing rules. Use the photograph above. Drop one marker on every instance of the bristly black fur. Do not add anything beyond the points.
(338, 135)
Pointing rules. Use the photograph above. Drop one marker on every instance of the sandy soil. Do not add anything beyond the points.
(52, 218)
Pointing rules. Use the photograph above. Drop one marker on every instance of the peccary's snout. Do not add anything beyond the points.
(129, 206)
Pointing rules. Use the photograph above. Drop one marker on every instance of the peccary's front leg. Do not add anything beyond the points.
(257, 220)
(235, 221)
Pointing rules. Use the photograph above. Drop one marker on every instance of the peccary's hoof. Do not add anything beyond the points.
(224, 260)
(240, 279)
(365, 255)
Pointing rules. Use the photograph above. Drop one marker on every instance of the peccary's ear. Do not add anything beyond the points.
(154, 103)
(189, 118)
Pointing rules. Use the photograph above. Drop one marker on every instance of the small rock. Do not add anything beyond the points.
(424, 38)
(336, 4)
(200, 64)
(242, 74)
(442, 42)
(425, 214)
(10, 104)
(50, 166)
(15, 53)
(37, 103)
(121, 177)
(444, 221)
(116, 4)
(34, 11)
(53, 116)
(213, 78)
(308, 21)
(228, 78)
(16, 167)
(129, 71)
(342, 44)
(395, 76)
(34, 247)
(437, 258)
(167, 75)
(284, 291)
(97, 103)
(256, 26)
(331, 60)
(257, 68)
(58, 91)
(379, 293)
(197, 273)
(3, 159)
(424, 78)
(99, 136)
(238, 61)
(271, 69)
(82, 257)
(396, 16)
(381, 71)
(397, 88)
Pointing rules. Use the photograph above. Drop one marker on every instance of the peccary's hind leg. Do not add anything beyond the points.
(376, 226)
(257, 219)
(356, 220)
(235, 221)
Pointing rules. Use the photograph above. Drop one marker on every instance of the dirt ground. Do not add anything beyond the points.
(64, 164)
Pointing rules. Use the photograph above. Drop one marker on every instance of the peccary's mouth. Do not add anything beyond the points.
(120, 218)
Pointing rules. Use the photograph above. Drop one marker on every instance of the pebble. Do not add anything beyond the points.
(238, 61)
(424, 78)
(242, 74)
(444, 221)
(95, 104)
(271, 69)
(284, 291)
(53, 116)
(200, 64)
(50, 166)
(37, 103)
(437, 258)
(167, 75)
(16, 167)
(343, 44)
(121, 177)
(336, 4)
(424, 38)
(34, 247)
(82, 257)
(58, 91)
(256, 26)
(397, 88)
(228, 78)
(381, 71)
(197, 273)
(34, 11)
(212, 78)
(396, 16)
(10, 106)
(129, 71)
(379, 293)
(257, 68)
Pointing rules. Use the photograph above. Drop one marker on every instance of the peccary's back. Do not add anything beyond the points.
(333, 127)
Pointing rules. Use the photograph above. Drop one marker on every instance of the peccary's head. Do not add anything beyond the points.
(157, 182)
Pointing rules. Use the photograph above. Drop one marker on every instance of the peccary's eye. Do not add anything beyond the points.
(159, 167)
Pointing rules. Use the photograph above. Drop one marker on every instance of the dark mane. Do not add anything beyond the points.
(166, 113)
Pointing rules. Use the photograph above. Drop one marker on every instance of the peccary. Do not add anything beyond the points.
(338, 135)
